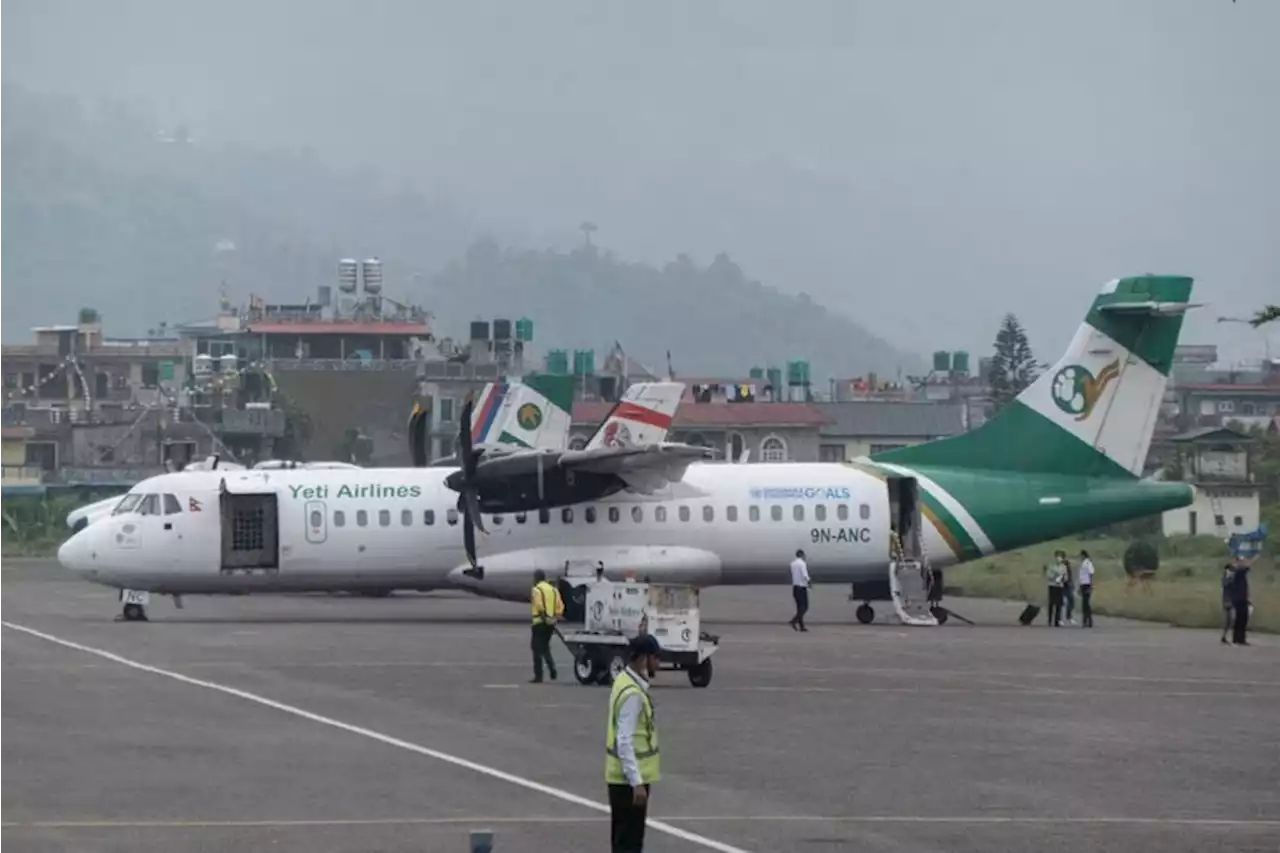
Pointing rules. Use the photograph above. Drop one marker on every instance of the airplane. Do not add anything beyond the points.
(1065, 456)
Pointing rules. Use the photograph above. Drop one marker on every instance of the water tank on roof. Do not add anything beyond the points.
(558, 362)
(960, 363)
(479, 330)
(524, 329)
(501, 330)
(324, 295)
(203, 364)
(798, 372)
(584, 362)
(372, 268)
(348, 275)
(774, 375)
(757, 373)
(941, 361)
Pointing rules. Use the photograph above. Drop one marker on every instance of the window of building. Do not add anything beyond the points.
(731, 513)
(773, 449)
(172, 507)
(451, 516)
(1246, 408)
(406, 518)
(589, 515)
(820, 512)
(831, 453)
(660, 514)
(362, 518)
(339, 518)
(864, 511)
(735, 446)
(1226, 405)
(775, 512)
(615, 514)
(544, 516)
(1238, 521)
(753, 514)
(684, 513)
(842, 512)
(446, 409)
(797, 512)
(708, 513)
(428, 517)
(566, 515)
(384, 518)
(637, 514)
(521, 517)
(577, 443)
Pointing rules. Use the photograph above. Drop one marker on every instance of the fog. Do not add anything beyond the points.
(922, 167)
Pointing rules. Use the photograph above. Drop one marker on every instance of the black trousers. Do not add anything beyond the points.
(1241, 625)
(626, 820)
(540, 642)
(1055, 605)
(1086, 604)
(801, 595)
(1069, 596)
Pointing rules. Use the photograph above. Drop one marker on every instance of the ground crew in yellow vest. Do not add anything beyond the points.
(547, 606)
(631, 747)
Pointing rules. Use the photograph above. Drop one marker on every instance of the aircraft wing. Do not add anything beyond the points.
(645, 469)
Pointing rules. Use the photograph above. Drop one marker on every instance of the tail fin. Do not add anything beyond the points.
(533, 413)
(1093, 413)
(642, 416)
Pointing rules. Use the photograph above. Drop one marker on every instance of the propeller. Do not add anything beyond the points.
(463, 481)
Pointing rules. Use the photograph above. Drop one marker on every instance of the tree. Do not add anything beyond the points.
(1265, 315)
(1014, 366)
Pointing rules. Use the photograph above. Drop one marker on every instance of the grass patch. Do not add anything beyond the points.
(1186, 591)
(36, 526)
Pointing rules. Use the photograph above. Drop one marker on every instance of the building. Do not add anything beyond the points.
(1216, 460)
(767, 432)
(1202, 396)
(855, 429)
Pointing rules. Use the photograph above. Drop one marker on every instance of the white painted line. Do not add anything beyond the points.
(501, 686)
(408, 746)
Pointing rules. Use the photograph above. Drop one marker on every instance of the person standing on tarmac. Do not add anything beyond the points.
(1086, 589)
(547, 606)
(631, 747)
(799, 590)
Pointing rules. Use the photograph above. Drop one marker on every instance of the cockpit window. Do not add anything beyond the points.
(127, 504)
(150, 505)
(171, 505)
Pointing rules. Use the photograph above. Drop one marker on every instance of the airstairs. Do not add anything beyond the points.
(909, 586)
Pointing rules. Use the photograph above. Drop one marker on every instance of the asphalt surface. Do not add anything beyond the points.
(877, 738)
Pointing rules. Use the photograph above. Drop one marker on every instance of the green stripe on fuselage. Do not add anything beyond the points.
(949, 527)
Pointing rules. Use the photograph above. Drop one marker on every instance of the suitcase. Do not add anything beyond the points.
(1029, 614)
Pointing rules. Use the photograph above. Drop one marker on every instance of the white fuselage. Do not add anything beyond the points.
(399, 529)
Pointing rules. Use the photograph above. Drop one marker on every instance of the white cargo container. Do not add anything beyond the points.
(616, 612)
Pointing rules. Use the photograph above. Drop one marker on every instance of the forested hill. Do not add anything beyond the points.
(102, 210)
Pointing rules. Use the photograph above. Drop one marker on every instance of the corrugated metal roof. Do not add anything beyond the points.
(719, 414)
(1205, 431)
(882, 418)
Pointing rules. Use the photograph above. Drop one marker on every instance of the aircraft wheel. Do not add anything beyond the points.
(865, 613)
(700, 675)
(134, 613)
(585, 669)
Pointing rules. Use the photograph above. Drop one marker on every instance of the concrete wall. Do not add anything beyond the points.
(1237, 503)
(376, 402)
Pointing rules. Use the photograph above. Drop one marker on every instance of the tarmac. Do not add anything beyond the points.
(306, 723)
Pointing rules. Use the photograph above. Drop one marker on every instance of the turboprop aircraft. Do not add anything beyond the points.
(1065, 456)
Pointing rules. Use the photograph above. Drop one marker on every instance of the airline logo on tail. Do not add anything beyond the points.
(1076, 391)
(529, 416)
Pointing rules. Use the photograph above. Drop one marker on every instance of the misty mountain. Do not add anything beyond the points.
(102, 207)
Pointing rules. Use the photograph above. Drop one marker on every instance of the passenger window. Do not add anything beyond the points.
(731, 513)
(362, 518)
(589, 515)
(660, 514)
(497, 520)
(797, 512)
(754, 513)
(521, 517)
(172, 507)
(566, 515)
(544, 516)
(637, 514)
(451, 516)
(842, 512)
(150, 505)
(384, 517)
(406, 517)
(864, 511)
(820, 512)
(317, 519)
(775, 512)
(127, 504)
(708, 513)
(428, 517)
(339, 518)
(615, 514)
(684, 513)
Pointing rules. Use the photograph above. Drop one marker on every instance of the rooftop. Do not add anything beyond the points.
(339, 327)
(875, 417)
(719, 414)
(1214, 433)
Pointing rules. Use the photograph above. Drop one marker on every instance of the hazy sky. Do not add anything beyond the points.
(923, 165)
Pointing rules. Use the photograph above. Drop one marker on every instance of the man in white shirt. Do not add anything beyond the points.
(1085, 575)
(799, 590)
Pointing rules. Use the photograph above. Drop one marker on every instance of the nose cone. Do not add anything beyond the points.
(76, 554)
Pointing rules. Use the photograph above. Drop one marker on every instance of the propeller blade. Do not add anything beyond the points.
(542, 496)
(473, 509)
(465, 449)
(469, 540)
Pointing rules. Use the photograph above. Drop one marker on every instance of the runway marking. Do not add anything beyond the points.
(480, 821)
(501, 686)
(408, 746)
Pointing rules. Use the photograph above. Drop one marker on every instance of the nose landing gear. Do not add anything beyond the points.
(135, 605)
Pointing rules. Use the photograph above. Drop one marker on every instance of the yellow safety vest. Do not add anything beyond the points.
(545, 603)
(645, 739)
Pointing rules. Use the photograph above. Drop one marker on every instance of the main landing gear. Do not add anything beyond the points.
(866, 613)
